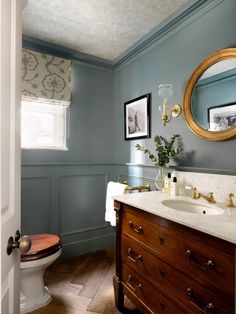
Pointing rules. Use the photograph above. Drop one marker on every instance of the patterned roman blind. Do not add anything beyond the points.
(45, 77)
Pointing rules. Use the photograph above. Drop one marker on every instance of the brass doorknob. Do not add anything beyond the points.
(23, 243)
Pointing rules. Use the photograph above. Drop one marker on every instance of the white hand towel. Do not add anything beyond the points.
(113, 189)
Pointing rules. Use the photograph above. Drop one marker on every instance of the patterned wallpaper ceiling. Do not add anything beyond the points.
(102, 28)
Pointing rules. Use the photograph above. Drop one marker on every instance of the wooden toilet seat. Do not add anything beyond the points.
(43, 245)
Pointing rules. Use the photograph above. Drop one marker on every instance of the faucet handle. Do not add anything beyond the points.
(188, 190)
(211, 197)
(230, 202)
(195, 193)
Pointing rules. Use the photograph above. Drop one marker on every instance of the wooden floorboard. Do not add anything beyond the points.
(85, 270)
(110, 307)
(83, 285)
(96, 277)
(104, 293)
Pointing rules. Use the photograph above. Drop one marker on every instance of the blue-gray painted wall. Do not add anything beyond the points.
(64, 192)
(173, 61)
(91, 129)
(69, 200)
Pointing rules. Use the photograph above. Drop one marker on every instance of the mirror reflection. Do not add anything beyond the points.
(213, 101)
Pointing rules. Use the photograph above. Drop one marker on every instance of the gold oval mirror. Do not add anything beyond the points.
(209, 103)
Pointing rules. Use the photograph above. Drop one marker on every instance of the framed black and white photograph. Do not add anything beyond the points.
(222, 117)
(137, 118)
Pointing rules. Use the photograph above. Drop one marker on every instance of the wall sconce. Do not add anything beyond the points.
(168, 111)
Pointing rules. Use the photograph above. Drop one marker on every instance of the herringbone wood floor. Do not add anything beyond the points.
(83, 285)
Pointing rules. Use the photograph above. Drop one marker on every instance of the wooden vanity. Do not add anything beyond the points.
(166, 267)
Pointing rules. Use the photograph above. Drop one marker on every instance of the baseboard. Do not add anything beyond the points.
(88, 245)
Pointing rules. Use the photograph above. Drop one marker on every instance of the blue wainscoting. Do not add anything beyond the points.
(36, 204)
(69, 200)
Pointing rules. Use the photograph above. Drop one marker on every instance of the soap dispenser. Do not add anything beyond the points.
(167, 183)
(174, 187)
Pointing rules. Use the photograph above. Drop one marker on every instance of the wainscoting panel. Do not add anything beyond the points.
(35, 205)
(68, 200)
(82, 203)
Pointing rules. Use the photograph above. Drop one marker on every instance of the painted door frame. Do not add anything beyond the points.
(10, 151)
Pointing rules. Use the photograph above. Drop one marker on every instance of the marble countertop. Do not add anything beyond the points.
(222, 226)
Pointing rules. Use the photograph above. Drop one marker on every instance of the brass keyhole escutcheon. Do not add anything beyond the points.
(162, 273)
(161, 239)
(162, 306)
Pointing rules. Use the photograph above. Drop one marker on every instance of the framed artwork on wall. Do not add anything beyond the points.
(137, 118)
(222, 117)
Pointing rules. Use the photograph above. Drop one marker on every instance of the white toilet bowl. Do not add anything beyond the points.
(46, 248)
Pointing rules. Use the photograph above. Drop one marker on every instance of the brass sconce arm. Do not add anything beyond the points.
(174, 113)
(165, 100)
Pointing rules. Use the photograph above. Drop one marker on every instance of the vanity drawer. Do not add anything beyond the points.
(136, 287)
(180, 287)
(209, 266)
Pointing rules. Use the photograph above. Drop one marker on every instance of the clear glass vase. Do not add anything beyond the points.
(159, 180)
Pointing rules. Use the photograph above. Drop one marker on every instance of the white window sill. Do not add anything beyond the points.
(45, 148)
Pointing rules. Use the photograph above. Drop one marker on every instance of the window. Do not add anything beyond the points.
(43, 124)
(46, 98)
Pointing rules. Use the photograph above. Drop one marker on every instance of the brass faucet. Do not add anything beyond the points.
(209, 198)
(138, 188)
(230, 202)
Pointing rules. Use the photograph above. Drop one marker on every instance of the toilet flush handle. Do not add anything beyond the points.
(22, 243)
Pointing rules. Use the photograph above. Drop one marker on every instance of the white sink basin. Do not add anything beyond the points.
(193, 207)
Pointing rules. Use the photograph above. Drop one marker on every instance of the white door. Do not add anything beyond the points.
(10, 68)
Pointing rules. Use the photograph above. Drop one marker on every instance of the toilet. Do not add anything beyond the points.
(45, 249)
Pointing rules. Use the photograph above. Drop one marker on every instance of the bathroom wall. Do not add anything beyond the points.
(172, 61)
(91, 119)
(64, 192)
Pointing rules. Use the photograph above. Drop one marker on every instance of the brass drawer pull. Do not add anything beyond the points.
(208, 264)
(132, 257)
(135, 228)
(139, 286)
(208, 308)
